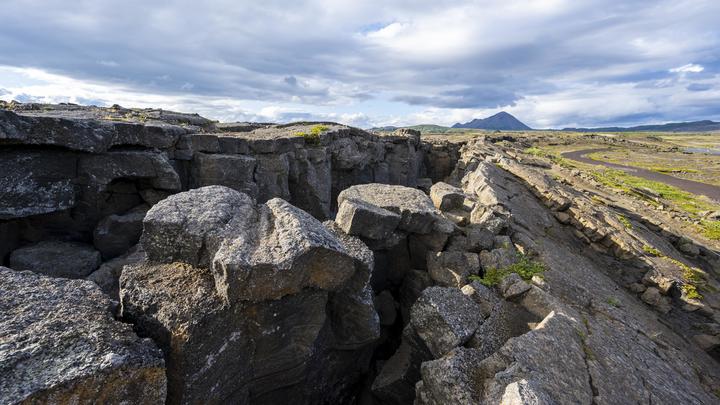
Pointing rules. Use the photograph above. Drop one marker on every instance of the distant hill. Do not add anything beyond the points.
(695, 126)
(501, 121)
(424, 128)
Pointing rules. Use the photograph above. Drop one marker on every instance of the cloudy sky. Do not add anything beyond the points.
(551, 63)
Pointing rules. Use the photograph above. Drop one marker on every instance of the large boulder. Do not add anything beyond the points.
(57, 259)
(444, 318)
(452, 269)
(415, 208)
(357, 217)
(262, 302)
(61, 345)
(446, 197)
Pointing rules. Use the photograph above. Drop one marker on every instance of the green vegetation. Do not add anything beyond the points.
(711, 229)
(688, 202)
(626, 222)
(613, 301)
(651, 250)
(525, 267)
(313, 138)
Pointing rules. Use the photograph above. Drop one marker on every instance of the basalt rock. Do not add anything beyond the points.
(262, 302)
(61, 345)
(57, 259)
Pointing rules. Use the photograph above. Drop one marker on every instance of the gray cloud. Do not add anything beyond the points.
(443, 54)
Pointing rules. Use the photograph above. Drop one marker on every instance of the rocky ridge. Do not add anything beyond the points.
(443, 273)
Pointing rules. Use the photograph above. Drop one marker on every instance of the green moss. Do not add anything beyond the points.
(691, 291)
(651, 250)
(613, 301)
(711, 229)
(525, 267)
(626, 222)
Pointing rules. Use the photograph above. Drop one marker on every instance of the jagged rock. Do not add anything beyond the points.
(434, 241)
(116, 234)
(425, 184)
(444, 318)
(57, 259)
(479, 239)
(269, 303)
(107, 277)
(450, 379)
(353, 314)
(103, 169)
(446, 197)
(357, 217)
(395, 384)
(61, 345)
(256, 253)
(452, 269)
(524, 392)
(499, 258)
(414, 283)
(482, 295)
(513, 286)
(385, 305)
(652, 297)
(36, 183)
(415, 208)
(234, 171)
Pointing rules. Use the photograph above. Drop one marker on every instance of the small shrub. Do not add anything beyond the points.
(613, 301)
(525, 267)
(313, 137)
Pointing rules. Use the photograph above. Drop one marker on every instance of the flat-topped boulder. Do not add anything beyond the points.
(415, 208)
(61, 345)
(57, 259)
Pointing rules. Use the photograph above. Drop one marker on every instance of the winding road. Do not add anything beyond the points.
(690, 186)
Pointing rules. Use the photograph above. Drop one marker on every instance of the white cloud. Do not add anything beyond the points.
(689, 68)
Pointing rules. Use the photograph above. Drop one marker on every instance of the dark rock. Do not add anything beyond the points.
(61, 345)
(57, 259)
(116, 234)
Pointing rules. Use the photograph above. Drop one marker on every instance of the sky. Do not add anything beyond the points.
(551, 63)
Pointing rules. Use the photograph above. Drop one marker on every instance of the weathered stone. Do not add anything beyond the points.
(446, 197)
(177, 305)
(498, 258)
(450, 379)
(444, 318)
(116, 234)
(35, 183)
(354, 319)
(415, 282)
(107, 277)
(479, 239)
(385, 304)
(482, 295)
(360, 218)
(415, 208)
(61, 345)
(452, 269)
(513, 286)
(104, 168)
(652, 297)
(234, 171)
(57, 259)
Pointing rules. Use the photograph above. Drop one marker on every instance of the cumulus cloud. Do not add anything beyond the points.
(372, 62)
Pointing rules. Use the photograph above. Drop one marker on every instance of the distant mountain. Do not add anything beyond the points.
(501, 121)
(695, 126)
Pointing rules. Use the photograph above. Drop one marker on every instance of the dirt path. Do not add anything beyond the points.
(694, 187)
